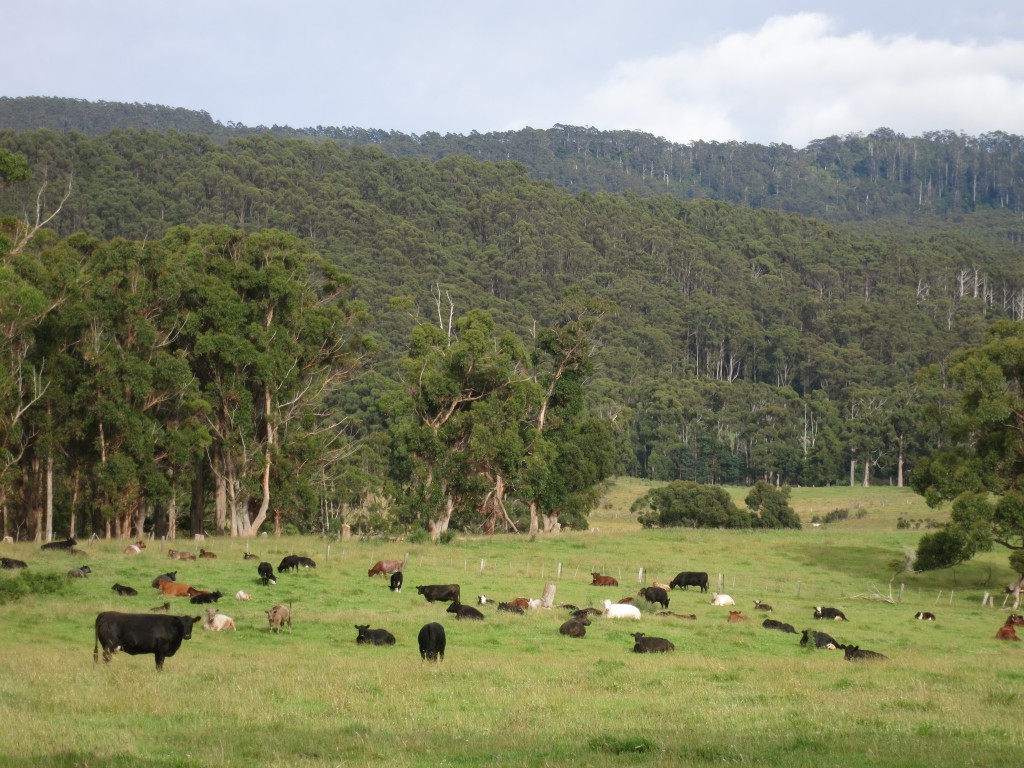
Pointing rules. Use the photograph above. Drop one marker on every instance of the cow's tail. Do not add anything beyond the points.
(96, 647)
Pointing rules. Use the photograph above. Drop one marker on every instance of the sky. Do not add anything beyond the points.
(757, 71)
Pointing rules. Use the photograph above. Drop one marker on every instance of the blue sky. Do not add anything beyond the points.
(765, 72)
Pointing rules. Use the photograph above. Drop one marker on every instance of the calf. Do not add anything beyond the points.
(575, 627)
(278, 616)
(164, 607)
(687, 616)
(516, 605)
(924, 616)
(134, 549)
(1007, 631)
(597, 580)
(241, 595)
(511, 608)
(250, 556)
(369, 636)
(829, 613)
(644, 644)
(717, 599)
(217, 621)
(736, 616)
(659, 585)
(686, 579)
(266, 571)
(759, 606)
(10, 564)
(171, 576)
(439, 592)
(124, 591)
(206, 597)
(853, 653)
(204, 553)
(773, 624)
(396, 582)
(818, 639)
(136, 633)
(463, 611)
(432, 642)
(80, 573)
(655, 595)
(620, 610)
(175, 554)
(384, 567)
(581, 612)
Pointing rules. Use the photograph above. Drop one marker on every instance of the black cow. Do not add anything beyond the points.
(136, 633)
(924, 616)
(305, 562)
(686, 579)
(655, 595)
(829, 613)
(644, 644)
(463, 611)
(820, 640)
(124, 591)
(212, 597)
(80, 573)
(432, 642)
(581, 612)
(511, 608)
(68, 543)
(440, 592)
(575, 627)
(774, 624)
(854, 653)
(164, 607)
(396, 581)
(266, 571)
(373, 636)
(250, 556)
(11, 564)
(169, 576)
(289, 563)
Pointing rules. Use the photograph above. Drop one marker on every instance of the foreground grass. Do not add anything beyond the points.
(511, 690)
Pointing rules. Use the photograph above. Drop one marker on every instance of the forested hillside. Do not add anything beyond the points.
(710, 341)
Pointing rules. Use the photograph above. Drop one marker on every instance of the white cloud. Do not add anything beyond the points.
(795, 80)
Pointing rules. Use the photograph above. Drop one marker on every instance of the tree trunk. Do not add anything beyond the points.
(439, 525)
(867, 474)
(900, 459)
(197, 505)
(853, 471)
(220, 499)
(534, 518)
(49, 498)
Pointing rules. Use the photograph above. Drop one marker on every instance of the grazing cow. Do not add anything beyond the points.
(644, 644)
(924, 616)
(384, 567)
(369, 636)
(818, 639)
(736, 616)
(10, 564)
(853, 653)
(575, 627)
(124, 591)
(687, 616)
(80, 573)
(396, 581)
(659, 585)
(250, 556)
(204, 553)
(306, 562)
(289, 563)
(266, 571)
(206, 597)
(170, 576)
(717, 599)
(174, 589)
(782, 627)
(68, 543)
(164, 607)
(134, 549)
(620, 610)
(463, 611)
(432, 642)
(278, 616)
(686, 579)
(655, 595)
(597, 580)
(241, 595)
(136, 633)
(511, 608)
(439, 592)
(217, 621)
(829, 613)
(759, 606)
(1007, 631)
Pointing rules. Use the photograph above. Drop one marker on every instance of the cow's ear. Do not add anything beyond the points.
(196, 619)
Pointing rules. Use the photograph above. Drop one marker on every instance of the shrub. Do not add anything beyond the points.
(28, 583)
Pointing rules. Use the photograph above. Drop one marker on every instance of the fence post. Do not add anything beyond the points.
(483, 564)
(559, 570)
(899, 600)
(640, 576)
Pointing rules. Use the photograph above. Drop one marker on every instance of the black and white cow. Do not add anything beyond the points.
(432, 642)
(138, 633)
(924, 616)
(396, 581)
(266, 571)
(829, 613)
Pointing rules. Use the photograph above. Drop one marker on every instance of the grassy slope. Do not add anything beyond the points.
(511, 690)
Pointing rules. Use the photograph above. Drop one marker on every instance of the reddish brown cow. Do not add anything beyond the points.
(735, 616)
(384, 567)
(603, 581)
(174, 589)
(1007, 632)
(522, 603)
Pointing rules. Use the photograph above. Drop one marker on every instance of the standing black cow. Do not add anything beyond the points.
(686, 579)
(136, 633)
(373, 636)
(440, 592)
(289, 563)
(396, 581)
(432, 641)
(655, 595)
(266, 571)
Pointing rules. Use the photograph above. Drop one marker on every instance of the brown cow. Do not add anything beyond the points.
(175, 554)
(175, 589)
(687, 616)
(1007, 632)
(134, 549)
(278, 616)
(204, 553)
(384, 567)
(603, 581)
(735, 616)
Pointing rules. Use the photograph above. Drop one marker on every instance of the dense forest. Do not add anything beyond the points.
(521, 314)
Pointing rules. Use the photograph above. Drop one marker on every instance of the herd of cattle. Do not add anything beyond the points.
(162, 635)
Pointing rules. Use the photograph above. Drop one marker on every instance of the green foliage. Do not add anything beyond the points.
(30, 583)
(685, 503)
(770, 506)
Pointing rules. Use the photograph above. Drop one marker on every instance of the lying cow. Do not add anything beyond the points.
(513, 608)
(782, 627)
(620, 610)
(432, 641)
(853, 653)
(138, 633)
(134, 549)
(1007, 631)
(217, 621)
(759, 606)
(278, 616)
(644, 644)
(463, 611)
(250, 556)
(10, 564)
(717, 599)
(169, 576)
(655, 595)
(124, 591)
(369, 636)
(686, 579)
(384, 567)
(687, 616)
(818, 639)
(443, 593)
(206, 597)
(176, 589)
(575, 627)
(80, 573)
(736, 616)
(206, 553)
(924, 616)
(829, 613)
(241, 595)
(68, 543)
(597, 580)
(175, 554)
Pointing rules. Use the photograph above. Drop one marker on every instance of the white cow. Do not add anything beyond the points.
(241, 595)
(717, 599)
(620, 610)
(216, 621)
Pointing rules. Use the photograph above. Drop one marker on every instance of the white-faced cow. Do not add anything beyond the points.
(266, 572)
(759, 606)
(821, 612)
(396, 582)
(432, 642)
(924, 616)
(138, 633)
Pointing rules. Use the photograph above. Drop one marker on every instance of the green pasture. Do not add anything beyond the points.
(511, 690)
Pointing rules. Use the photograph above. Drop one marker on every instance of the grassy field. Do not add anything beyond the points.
(511, 690)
